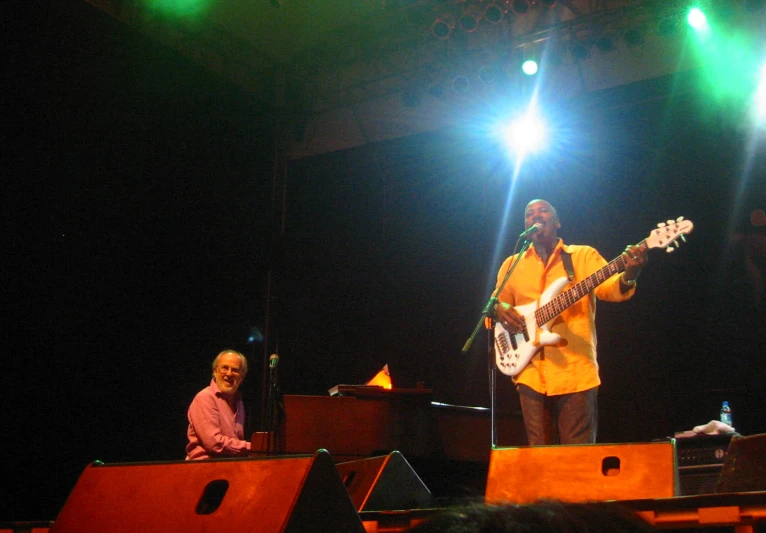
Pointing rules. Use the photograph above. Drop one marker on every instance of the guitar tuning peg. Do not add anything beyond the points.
(660, 224)
(669, 249)
(671, 221)
(683, 237)
(679, 219)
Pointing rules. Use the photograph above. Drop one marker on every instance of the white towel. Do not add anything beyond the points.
(714, 427)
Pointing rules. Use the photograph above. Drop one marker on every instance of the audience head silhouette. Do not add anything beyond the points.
(543, 517)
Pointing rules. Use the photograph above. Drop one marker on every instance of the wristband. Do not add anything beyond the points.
(628, 282)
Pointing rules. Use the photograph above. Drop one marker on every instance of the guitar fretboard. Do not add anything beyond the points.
(557, 305)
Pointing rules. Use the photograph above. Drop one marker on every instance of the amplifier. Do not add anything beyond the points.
(700, 461)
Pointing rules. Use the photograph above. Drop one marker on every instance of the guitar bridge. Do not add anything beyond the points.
(502, 344)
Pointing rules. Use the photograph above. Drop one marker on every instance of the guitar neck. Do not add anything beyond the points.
(560, 303)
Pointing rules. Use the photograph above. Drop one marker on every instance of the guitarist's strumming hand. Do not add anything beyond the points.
(509, 317)
(634, 257)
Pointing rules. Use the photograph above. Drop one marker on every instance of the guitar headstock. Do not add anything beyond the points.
(668, 233)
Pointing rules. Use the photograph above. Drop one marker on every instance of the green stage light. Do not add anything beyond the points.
(696, 18)
(760, 99)
(179, 8)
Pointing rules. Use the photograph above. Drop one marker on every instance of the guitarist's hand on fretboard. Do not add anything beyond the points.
(634, 257)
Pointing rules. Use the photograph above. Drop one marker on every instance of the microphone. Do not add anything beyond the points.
(273, 362)
(534, 228)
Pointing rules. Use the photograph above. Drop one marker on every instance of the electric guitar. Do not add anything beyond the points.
(513, 351)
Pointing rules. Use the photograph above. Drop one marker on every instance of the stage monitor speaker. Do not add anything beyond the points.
(386, 483)
(289, 494)
(582, 472)
(744, 469)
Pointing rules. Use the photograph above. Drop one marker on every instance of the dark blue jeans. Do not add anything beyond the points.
(564, 419)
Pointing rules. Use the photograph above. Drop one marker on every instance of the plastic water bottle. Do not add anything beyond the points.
(725, 413)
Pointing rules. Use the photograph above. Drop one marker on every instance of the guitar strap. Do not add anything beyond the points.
(566, 258)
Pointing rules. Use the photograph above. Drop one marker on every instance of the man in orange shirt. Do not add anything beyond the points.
(558, 388)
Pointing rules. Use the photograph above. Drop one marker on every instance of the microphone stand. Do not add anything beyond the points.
(485, 315)
(275, 411)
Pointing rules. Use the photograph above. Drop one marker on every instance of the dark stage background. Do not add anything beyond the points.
(140, 233)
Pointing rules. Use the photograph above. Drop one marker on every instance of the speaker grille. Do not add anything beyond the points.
(698, 480)
(700, 461)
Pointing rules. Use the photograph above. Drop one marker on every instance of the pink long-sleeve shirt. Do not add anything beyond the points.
(214, 429)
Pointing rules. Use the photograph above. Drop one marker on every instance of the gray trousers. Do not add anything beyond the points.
(563, 419)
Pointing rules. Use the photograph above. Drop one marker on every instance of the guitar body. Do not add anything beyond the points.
(514, 351)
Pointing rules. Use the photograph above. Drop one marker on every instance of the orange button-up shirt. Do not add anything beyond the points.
(570, 366)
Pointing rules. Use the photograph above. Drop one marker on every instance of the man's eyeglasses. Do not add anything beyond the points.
(226, 368)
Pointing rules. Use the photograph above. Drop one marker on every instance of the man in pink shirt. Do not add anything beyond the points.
(217, 414)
